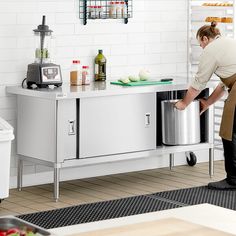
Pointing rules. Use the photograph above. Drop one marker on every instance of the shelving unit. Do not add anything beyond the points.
(198, 13)
(197, 16)
(105, 9)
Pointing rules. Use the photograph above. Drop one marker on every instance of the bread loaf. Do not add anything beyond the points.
(213, 18)
(227, 20)
(219, 4)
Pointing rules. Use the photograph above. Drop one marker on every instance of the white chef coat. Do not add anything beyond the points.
(218, 57)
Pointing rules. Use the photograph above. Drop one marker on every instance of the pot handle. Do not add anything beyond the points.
(173, 104)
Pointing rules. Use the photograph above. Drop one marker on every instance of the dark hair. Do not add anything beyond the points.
(210, 31)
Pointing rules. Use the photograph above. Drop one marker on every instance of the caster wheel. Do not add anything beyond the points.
(191, 159)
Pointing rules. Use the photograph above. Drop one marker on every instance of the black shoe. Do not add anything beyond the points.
(221, 185)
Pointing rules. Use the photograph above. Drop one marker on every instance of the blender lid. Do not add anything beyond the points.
(43, 28)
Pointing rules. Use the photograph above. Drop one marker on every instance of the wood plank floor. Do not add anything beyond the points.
(39, 198)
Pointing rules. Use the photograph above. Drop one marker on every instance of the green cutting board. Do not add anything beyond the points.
(141, 83)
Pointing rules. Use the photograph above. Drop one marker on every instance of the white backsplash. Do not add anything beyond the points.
(155, 38)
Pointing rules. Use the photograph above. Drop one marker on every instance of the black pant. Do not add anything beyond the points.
(230, 155)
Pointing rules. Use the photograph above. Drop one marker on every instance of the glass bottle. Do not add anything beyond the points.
(125, 10)
(96, 12)
(100, 67)
(100, 12)
(122, 9)
(92, 12)
(75, 73)
(112, 10)
(118, 10)
(85, 75)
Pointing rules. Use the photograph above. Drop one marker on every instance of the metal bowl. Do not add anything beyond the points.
(9, 222)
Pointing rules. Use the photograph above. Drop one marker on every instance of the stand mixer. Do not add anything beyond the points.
(42, 72)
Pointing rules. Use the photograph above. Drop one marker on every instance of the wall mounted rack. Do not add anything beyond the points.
(105, 9)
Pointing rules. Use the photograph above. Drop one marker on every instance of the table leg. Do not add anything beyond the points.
(211, 162)
(56, 183)
(171, 161)
(19, 174)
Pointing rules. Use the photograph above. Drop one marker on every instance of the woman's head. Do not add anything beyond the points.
(207, 34)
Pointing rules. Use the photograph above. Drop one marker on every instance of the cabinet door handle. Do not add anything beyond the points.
(71, 127)
(147, 119)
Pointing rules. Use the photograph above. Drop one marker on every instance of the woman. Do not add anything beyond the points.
(219, 57)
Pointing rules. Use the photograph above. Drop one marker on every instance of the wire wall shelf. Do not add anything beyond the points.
(105, 9)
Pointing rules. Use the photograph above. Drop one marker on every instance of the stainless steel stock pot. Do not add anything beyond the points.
(180, 127)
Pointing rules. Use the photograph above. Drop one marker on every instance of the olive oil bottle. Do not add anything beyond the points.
(100, 66)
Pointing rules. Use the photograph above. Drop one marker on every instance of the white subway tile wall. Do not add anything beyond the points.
(155, 38)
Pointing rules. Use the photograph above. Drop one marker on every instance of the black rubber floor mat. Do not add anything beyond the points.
(131, 206)
(98, 211)
(198, 195)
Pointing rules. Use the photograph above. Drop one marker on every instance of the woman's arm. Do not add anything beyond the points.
(207, 66)
(205, 103)
(217, 94)
(188, 98)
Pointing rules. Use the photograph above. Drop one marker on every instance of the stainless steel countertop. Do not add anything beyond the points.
(98, 89)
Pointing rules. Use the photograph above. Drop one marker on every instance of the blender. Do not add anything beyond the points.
(42, 72)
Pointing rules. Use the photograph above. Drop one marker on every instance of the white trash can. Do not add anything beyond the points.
(6, 135)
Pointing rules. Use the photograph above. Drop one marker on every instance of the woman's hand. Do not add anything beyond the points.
(180, 105)
(203, 105)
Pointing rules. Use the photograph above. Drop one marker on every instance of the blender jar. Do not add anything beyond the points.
(43, 46)
(43, 37)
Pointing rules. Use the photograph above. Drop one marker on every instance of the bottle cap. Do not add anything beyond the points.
(85, 67)
(76, 61)
(100, 51)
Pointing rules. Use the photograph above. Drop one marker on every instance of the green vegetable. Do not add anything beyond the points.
(41, 53)
(30, 233)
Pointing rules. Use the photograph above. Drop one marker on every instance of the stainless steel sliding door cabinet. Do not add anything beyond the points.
(118, 124)
(46, 129)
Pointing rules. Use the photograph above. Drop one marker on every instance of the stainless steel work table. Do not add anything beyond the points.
(57, 107)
